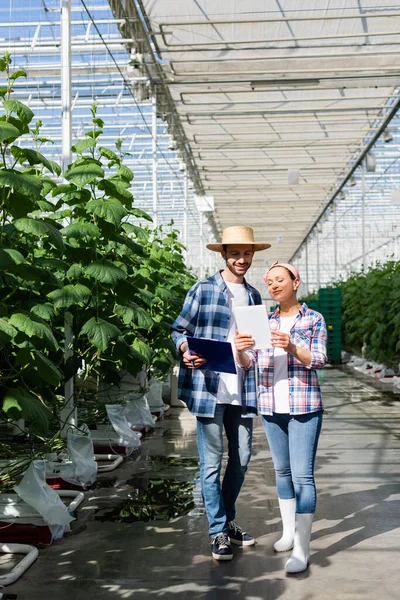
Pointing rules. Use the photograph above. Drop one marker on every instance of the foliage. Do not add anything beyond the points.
(30, 245)
(76, 246)
(312, 297)
(371, 312)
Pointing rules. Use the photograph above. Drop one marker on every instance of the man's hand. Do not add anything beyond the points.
(191, 360)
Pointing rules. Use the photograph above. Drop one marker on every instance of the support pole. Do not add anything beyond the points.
(201, 245)
(363, 213)
(318, 265)
(307, 277)
(185, 211)
(66, 100)
(154, 147)
(335, 258)
(69, 414)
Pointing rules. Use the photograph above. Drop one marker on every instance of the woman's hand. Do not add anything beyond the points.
(243, 341)
(282, 340)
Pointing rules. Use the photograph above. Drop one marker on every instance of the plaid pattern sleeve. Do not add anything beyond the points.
(206, 314)
(318, 343)
(185, 324)
(308, 332)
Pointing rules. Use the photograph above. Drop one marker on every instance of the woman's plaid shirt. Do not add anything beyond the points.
(309, 332)
(206, 314)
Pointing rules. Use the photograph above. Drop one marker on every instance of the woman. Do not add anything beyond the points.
(289, 400)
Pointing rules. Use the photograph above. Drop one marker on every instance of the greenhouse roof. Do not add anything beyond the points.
(267, 93)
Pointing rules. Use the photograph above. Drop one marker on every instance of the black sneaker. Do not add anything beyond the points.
(221, 547)
(238, 536)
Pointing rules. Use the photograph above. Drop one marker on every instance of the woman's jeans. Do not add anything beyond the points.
(293, 441)
(220, 501)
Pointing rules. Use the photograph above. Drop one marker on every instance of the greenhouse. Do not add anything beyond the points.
(171, 170)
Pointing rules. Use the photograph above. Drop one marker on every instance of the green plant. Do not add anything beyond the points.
(31, 247)
(371, 312)
(77, 246)
(124, 279)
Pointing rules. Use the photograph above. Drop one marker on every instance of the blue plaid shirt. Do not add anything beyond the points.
(206, 314)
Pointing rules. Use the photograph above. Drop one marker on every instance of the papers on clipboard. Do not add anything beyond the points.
(254, 320)
(219, 355)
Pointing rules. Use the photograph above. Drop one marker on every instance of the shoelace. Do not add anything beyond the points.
(221, 540)
(233, 525)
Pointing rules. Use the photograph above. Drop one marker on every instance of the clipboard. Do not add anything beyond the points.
(219, 355)
(254, 320)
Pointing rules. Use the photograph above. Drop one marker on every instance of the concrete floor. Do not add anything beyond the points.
(356, 534)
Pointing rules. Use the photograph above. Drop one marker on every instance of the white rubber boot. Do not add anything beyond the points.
(288, 511)
(301, 548)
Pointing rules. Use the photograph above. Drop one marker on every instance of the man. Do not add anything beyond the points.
(220, 400)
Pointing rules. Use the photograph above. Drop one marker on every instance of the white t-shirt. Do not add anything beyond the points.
(281, 376)
(230, 385)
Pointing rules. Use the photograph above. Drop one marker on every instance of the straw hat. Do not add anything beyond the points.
(239, 234)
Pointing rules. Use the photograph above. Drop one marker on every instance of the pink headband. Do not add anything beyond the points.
(290, 268)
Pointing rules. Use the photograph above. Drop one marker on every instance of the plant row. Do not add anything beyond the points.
(73, 249)
(371, 313)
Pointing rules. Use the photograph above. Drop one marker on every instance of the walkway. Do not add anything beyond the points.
(356, 535)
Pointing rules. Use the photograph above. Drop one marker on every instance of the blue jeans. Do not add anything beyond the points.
(293, 441)
(219, 501)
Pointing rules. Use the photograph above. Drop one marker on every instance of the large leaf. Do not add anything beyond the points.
(141, 214)
(124, 172)
(100, 332)
(20, 404)
(53, 264)
(44, 311)
(132, 313)
(19, 205)
(8, 131)
(74, 272)
(29, 185)
(134, 246)
(104, 271)
(107, 153)
(111, 210)
(84, 174)
(33, 157)
(140, 233)
(9, 258)
(80, 230)
(45, 206)
(33, 326)
(46, 369)
(55, 237)
(31, 226)
(63, 188)
(49, 184)
(32, 273)
(7, 332)
(15, 106)
(38, 228)
(142, 350)
(83, 145)
(74, 197)
(115, 190)
(70, 295)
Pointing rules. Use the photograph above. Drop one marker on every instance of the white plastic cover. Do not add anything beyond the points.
(34, 490)
(83, 470)
(116, 414)
(154, 395)
(138, 414)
